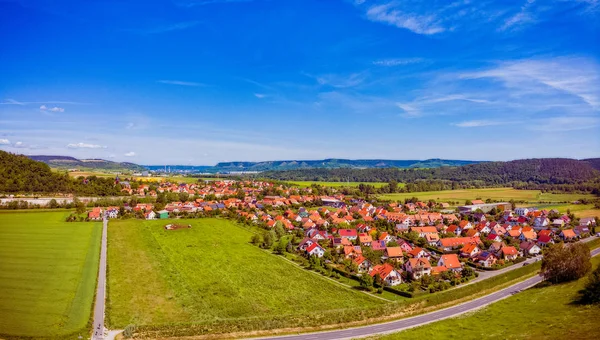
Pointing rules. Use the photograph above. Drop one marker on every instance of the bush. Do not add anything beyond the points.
(591, 293)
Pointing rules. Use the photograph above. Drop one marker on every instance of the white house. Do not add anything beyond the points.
(522, 211)
(316, 250)
(150, 215)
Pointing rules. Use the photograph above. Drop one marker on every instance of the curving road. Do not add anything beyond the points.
(419, 320)
(98, 330)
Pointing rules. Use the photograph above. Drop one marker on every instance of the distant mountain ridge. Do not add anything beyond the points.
(67, 162)
(336, 163)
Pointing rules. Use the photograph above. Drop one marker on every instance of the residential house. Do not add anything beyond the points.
(150, 215)
(544, 240)
(450, 261)
(417, 267)
(509, 253)
(530, 248)
(315, 250)
(162, 214)
(365, 239)
(387, 274)
(350, 234)
(363, 264)
(432, 239)
(567, 235)
(418, 252)
(394, 253)
(469, 250)
(486, 259)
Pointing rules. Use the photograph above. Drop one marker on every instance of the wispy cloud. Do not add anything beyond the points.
(397, 61)
(260, 95)
(11, 102)
(129, 154)
(479, 123)
(164, 28)
(565, 123)
(52, 109)
(409, 109)
(573, 76)
(180, 82)
(391, 15)
(340, 81)
(84, 146)
(442, 16)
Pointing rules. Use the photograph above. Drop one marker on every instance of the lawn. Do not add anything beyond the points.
(48, 271)
(580, 210)
(501, 194)
(537, 313)
(206, 273)
(306, 184)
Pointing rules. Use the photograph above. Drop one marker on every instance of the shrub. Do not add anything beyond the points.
(591, 293)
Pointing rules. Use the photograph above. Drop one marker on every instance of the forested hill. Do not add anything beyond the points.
(19, 174)
(538, 171)
(66, 162)
(594, 162)
(334, 163)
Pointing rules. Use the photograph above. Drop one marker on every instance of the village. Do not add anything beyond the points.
(410, 245)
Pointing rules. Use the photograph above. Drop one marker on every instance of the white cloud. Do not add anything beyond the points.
(179, 82)
(84, 146)
(389, 14)
(129, 154)
(19, 145)
(4, 142)
(11, 102)
(397, 61)
(479, 123)
(260, 95)
(340, 81)
(52, 109)
(409, 109)
(565, 123)
(572, 76)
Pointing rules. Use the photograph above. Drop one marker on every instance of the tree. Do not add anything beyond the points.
(280, 247)
(468, 202)
(563, 263)
(53, 204)
(591, 293)
(255, 239)
(366, 281)
(267, 240)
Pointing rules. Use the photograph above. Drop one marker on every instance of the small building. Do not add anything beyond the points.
(163, 214)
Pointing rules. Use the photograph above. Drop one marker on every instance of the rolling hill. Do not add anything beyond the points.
(66, 162)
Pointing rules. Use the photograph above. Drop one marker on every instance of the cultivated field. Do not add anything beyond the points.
(208, 272)
(48, 271)
(537, 313)
(306, 184)
(502, 194)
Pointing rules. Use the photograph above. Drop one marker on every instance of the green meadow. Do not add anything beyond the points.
(501, 194)
(306, 184)
(537, 313)
(208, 273)
(48, 271)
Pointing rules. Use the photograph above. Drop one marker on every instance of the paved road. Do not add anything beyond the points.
(98, 330)
(399, 325)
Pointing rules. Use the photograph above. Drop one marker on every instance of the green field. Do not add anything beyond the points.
(206, 273)
(501, 194)
(306, 184)
(48, 272)
(537, 313)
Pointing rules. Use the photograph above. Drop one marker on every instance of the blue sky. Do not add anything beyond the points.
(203, 81)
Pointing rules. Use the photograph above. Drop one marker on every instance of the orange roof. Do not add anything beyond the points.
(468, 248)
(394, 251)
(419, 262)
(568, 233)
(509, 250)
(450, 261)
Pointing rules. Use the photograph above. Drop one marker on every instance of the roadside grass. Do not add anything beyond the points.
(306, 184)
(48, 271)
(208, 273)
(503, 194)
(543, 312)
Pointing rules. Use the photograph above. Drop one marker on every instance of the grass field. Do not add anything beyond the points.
(209, 272)
(306, 184)
(502, 194)
(48, 271)
(537, 313)
(580, 210)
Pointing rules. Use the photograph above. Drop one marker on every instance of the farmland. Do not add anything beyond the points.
(48, 272)
(206, 273)
(540, 313)
(306, 184)
(499, 194)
